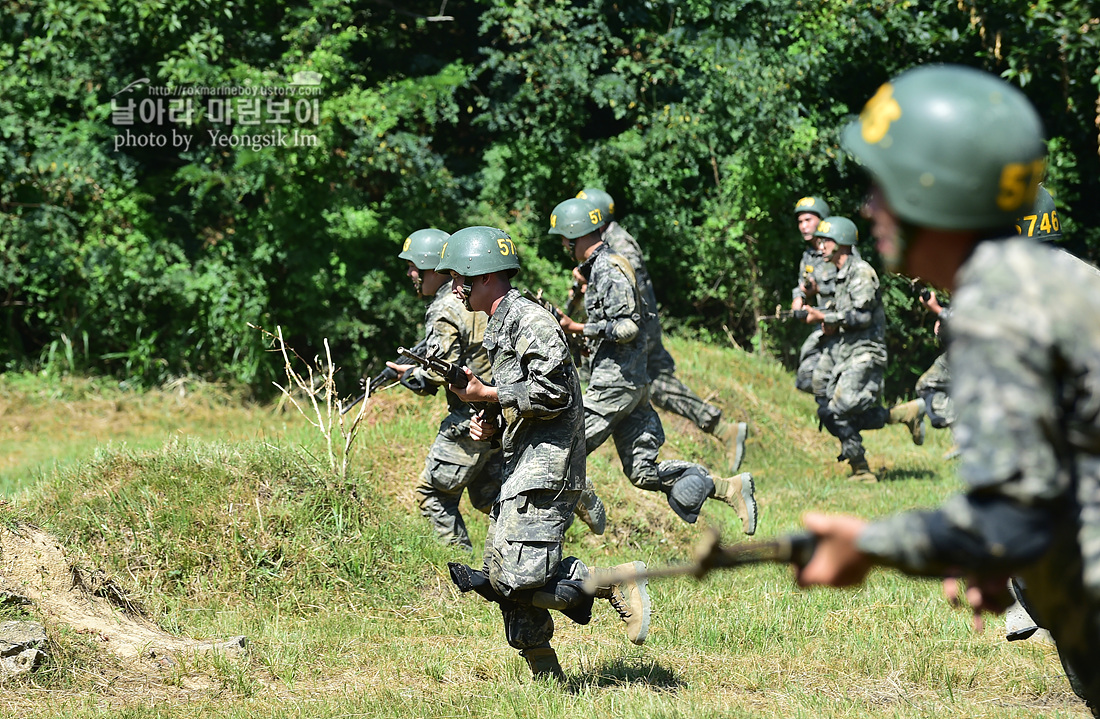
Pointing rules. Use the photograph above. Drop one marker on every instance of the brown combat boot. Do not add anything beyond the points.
(625, 587)
(733, 435)
(590, 510)
(739, 493)
(911, 414)
(543, 663)
(861, 471)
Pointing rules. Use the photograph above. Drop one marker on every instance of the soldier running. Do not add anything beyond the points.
(616, 403)
(542, 441)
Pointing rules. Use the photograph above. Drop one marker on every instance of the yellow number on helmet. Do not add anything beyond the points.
(408, 241)
(1045, 224)
(804, 202)
(553, 221)
(1030, 219)
(595, 215)
(506, 246)
(1054, 219)
(444, 250)
(824, 227)
(879, 112)
(1019, 183)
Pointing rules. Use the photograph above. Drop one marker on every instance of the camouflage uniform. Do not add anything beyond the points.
(665, 390)
(814, 265)
(1026, 380)
(933, 385)
(455, 461)
(848, 378)
(544, 472)
(616, 403)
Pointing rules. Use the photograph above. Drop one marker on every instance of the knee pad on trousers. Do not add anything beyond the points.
(686, 497)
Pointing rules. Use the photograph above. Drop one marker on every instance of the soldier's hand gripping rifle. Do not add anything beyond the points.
(386, 378)
(710, 554)
(782, 314)
(452, 373)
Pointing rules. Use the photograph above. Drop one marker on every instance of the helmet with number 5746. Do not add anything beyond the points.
(1041, 222)
(479, 250)
(951, 147)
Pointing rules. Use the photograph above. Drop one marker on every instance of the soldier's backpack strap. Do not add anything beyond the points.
(624, 264)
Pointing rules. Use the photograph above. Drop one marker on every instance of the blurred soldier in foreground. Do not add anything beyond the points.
(542, 439)
(848, 378)
(955, 155)
(455, 461)
(666, 391)
(616, 403)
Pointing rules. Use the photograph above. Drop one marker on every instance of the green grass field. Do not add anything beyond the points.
(222, 518)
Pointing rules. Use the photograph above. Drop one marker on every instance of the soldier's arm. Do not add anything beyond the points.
(1002, 358)
(620, 312)
(545, 390)
(862, 286)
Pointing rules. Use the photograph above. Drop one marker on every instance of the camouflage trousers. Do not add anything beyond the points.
(848, 383)
(816, 345)
(456, 463)
(1058, 599)
(667, 392)
(625, 415)
(523, 558)
(932, 387)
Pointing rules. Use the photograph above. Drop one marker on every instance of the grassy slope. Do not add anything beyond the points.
(343, 591)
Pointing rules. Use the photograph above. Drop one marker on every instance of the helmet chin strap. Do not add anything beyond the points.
(464, 294)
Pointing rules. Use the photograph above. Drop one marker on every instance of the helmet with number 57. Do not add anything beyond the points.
(479, 250)
(951, 147)
(576, 218)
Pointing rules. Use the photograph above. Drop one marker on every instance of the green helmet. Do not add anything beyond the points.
(951, 147)
(476, 251)
(811, 204)
(600, 199)
(422, 248)
(840, 230)
(576, 218)
(1042, 222)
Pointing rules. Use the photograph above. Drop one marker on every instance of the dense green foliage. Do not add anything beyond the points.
(705, 121)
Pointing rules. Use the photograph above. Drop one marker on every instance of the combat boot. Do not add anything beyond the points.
(590, 510)
(543, 662)
(625, 587)
(911, 414)
(733, 435)
(739, 492)
(861, 471)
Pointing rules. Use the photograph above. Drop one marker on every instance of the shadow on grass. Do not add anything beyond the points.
(899, 474)
(624, 673)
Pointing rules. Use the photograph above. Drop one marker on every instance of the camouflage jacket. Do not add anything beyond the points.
(540, 398)
(455, 334)
(857, 305)
(623, 243)
(823, 272)
(614, 330)
(1025, 377)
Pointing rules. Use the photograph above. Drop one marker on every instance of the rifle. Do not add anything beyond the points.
(452, 373)
(386, 378)
(710, 554)
(782, 314)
